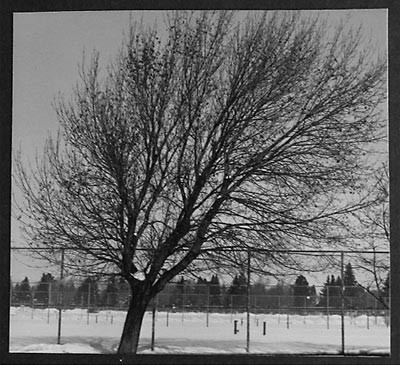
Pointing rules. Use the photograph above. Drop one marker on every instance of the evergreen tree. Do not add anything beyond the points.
(335, 293)
(277, 296)
(336, 301)
(64, 293)
(23, 294)
(215, 291)
(233, 287)
(69, 293)
(14, 295)
(313, 296)
(331, 291)
(231, 292)
(87, 294)
(352, 292)
(331, 294)
(386, 289)
(42, 291)
(238, 286)
(123, 294)
(225, 301)
(349, 279)
(301, 291)
(237, 291)
(258, 288)
(323, 300)
(258, 293)
(198, 294)
(284, 292)
(110, 298)
(179, 293)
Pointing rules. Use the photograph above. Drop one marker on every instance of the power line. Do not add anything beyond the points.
(206, 250)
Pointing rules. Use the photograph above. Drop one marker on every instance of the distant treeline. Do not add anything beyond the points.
(203, 293)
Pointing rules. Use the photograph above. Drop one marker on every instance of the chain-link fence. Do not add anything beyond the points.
(179, 297)
(193, 297)
(247, 303)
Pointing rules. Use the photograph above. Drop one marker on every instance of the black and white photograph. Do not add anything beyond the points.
(190, 182)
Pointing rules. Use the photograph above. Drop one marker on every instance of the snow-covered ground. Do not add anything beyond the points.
(36, 331)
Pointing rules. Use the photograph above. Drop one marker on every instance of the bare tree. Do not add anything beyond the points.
(372, 233)
(218, 134)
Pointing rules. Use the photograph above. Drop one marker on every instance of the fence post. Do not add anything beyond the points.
(248, 302)
(208, 304)
(342, 297)
(60, 297)
(327, 307)
(153, 323)
(48, 303)
(279, 309)
(231, 307)
(88, 305)
(183, 301)
(255, 308)
(235, 327)
(33, 302)
(167, 316)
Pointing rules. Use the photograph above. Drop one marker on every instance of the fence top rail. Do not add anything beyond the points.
(217, 249)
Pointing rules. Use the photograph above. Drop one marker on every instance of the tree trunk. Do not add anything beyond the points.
(133, 322)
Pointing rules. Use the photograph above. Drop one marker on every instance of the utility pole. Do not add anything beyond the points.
(60, 296)
(248, 302)
(153, 322)
(327, 306)
(88, 304)
(342, 296)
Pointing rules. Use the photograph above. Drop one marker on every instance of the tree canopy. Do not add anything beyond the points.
(217, 134)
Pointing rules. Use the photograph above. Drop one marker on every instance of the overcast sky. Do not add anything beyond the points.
(47, 50)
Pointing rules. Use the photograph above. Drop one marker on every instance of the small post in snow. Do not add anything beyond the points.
(342, 298)
(248, 302)
(60, 296)
(153, 324)
(88, 305)
(327, 307)
(48, 303)
(167, 316)
(208, 305)
(235, 327)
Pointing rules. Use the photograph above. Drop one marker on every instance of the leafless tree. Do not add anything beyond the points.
(372, 233)
(218, 134)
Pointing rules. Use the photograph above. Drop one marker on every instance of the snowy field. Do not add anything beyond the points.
(82, 332)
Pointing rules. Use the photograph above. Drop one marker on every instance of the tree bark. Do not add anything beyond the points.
(133, 322)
